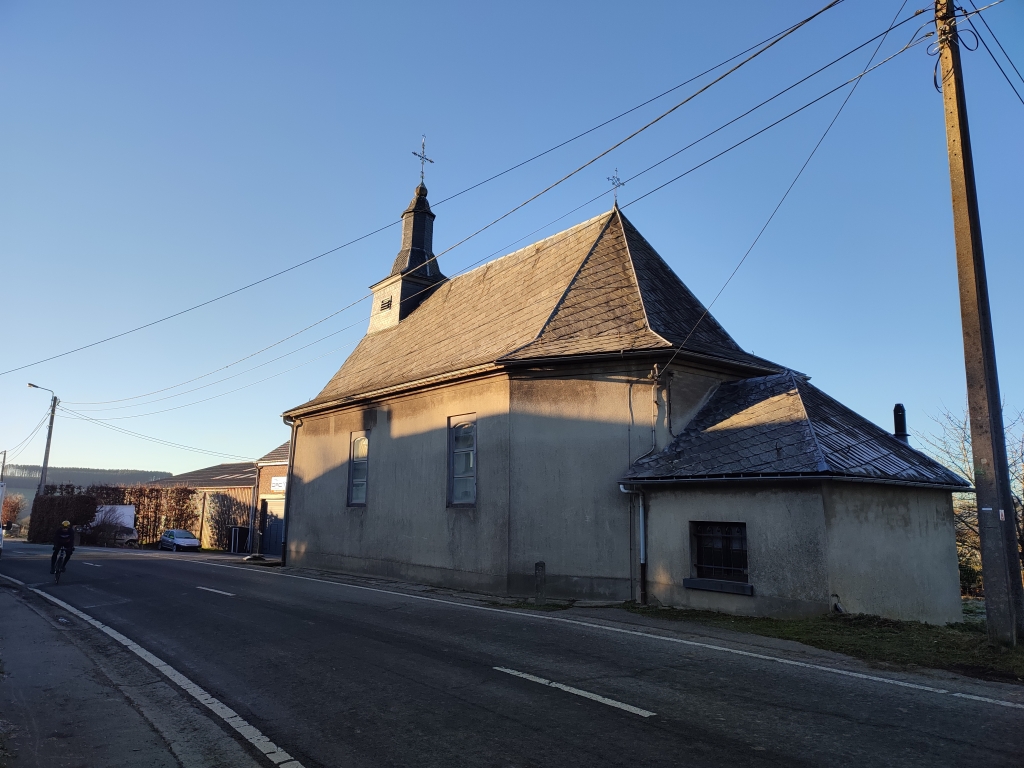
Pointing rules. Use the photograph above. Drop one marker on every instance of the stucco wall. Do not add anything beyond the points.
(786, 548)
(892, 551)
(406, 530)
(570, 440)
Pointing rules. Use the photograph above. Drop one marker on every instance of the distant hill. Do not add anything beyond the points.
(24, 478)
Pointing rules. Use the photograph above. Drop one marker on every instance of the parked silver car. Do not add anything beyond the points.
(176, 539)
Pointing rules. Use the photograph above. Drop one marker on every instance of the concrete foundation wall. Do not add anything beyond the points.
(786, 547)
(405, 530)
(892, 551)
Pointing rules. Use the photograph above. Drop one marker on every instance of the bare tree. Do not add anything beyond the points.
(951, 446)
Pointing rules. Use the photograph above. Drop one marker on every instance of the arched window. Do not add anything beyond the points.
(462, 461)
(357, 470)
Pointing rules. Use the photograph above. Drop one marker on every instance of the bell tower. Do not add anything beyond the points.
(415, 273)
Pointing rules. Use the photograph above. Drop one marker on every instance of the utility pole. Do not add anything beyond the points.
(49, 437)
(3, 466)
(1000, 557)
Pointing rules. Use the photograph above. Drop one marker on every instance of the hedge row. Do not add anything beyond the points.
(49, 511)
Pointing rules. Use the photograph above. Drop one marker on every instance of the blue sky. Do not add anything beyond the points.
(155, 156)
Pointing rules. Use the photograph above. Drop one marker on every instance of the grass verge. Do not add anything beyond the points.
(962, 648)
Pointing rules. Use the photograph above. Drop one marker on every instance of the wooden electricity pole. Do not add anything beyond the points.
(1000, 557)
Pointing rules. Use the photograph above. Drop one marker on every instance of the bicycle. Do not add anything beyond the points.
(61, 557)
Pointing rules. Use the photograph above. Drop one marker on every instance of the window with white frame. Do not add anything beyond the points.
(462, 460)
(358, 465)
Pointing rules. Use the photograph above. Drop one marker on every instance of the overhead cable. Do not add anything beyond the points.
(995, 61)
(78, 416)
(393, 223)
(980, 16)
(504, 248)
(856, 82)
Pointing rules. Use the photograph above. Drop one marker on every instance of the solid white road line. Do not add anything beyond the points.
(633, 632)
(92, 564)
(275, 754)
(578, 692)
(218, 591)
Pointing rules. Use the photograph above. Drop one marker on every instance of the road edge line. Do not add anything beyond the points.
(636, 633)
(271, 751)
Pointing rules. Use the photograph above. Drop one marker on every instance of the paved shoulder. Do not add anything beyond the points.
(69, 697)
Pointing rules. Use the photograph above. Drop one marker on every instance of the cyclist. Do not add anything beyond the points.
(64, 539)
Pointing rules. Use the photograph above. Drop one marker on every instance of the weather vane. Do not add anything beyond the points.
(616, 183)
(422, 155)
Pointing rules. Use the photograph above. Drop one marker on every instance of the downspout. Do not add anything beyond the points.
(288, 488)
(252, 512)
(643, 541)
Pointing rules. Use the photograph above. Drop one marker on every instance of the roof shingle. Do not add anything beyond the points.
(779, 426)
(598, 287)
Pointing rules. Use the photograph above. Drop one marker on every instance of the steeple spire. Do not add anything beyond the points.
(416, 256)
(415, 273)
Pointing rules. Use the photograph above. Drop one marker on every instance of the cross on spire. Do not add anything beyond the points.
(616, 183)
(422, 155)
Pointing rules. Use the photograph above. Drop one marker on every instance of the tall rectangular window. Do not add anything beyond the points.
(358, 465)
(719, 550)
(462, 460)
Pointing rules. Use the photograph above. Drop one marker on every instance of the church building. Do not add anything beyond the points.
(573, 403)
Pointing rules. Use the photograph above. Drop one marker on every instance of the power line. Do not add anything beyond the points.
(643, 128)
(995, 61)
(855, 81)
(82, 417)
(803, 167)
(980, 16)
(393, 223)
(17, 450)
(772, 125)
(366, 296)
(485, 258)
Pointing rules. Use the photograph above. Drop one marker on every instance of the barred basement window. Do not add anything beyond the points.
(357, 469)
(719, 550)
(385, 304)
(462, 460)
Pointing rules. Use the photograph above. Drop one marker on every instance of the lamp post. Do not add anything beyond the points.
(49, 436)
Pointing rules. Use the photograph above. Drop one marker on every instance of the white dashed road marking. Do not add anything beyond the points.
(92, 564)
(635, 633)
(578, 692)
(273, 753)
(218, 591)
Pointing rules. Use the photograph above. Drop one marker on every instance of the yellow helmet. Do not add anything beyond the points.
(66, 524)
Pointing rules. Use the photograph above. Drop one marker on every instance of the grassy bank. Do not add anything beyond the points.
(962, 648)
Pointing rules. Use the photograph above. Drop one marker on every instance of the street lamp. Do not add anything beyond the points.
(49, 436)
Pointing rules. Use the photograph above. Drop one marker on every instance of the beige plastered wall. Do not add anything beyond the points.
(552, 446)
(786, 546)
(406, 530)
(892, 551)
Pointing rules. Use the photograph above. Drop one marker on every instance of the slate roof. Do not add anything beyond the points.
(277, 456)
(238, 475)
(598, 287)
(779, 426)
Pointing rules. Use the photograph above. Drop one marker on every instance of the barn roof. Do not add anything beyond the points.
(277, 456)
(596, 288)
(783, 426)
(242, 474)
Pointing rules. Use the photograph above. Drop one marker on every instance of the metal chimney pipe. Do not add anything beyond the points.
(899, 417)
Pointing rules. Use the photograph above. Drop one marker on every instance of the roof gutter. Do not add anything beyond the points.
(630, 482)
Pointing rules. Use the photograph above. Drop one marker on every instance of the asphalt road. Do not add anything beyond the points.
(349, 675)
